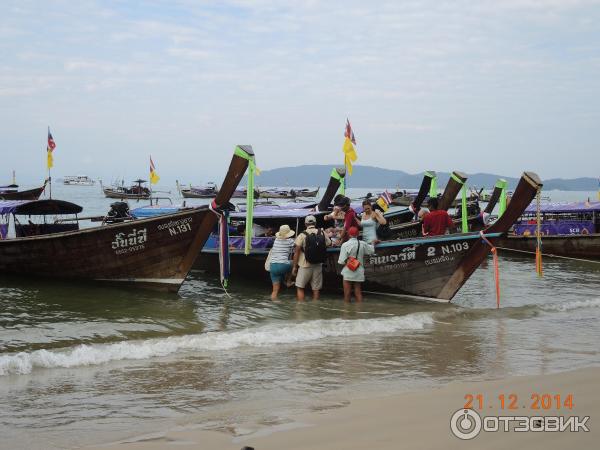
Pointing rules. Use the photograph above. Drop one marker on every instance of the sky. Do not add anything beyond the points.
(496, 86)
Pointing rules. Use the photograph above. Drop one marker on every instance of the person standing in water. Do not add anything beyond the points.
(354, 276)
(280, 253)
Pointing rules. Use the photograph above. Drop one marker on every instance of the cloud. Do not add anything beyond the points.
(442, 78)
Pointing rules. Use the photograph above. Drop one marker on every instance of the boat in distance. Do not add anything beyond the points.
(433, 268)
(78, 180)
(135, 191)
(11, 192)
(155, 253)
(209, 190)
(273, 193)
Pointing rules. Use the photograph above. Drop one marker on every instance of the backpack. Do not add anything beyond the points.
(315, 247)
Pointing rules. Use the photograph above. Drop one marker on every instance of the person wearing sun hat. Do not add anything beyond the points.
(280, 255)
(353, 279)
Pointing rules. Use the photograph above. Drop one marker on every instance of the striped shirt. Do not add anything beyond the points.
(282, 250)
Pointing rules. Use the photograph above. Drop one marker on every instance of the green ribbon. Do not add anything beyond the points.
(249, 197)
(502, 184)
(342, 180)
(464, 215)
(433, 191)
(465, 222)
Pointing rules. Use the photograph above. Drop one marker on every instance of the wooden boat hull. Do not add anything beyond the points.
(288, 194)
(187, 193)
(31, 194)
(580, 246)
(110, 193)
(147, 252)
(420, 267)
(156, 252)
(429, 267)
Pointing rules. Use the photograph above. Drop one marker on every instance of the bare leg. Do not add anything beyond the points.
(276, 288)
(316, 294)
(347, 291)
(300, 294)
(358, 292)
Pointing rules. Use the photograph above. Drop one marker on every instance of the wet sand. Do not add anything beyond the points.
(416, 420)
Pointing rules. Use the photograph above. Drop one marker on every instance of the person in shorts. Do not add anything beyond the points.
(306, 271)
(280, 253)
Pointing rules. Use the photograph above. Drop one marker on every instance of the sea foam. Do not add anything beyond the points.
(271, 334)
(573, 304)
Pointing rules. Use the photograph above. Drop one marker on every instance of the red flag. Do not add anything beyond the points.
(349, 133)
(51, 143)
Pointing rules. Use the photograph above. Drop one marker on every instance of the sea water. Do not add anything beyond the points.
(83, 365)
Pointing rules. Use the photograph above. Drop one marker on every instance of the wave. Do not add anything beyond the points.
(280, 333)
(571, 305)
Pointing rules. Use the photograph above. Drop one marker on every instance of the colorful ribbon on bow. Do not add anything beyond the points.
(463, 209)
(502, 184)
(252, 170)
(433, 191)
(335, 175)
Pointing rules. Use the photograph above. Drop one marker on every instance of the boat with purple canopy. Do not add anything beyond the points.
(567, 229)
(433, 268)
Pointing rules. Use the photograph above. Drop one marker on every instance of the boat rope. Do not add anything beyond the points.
(538, 235)
(223, 243)
(549, 255)
(496, 269)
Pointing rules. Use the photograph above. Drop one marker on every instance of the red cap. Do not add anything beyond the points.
(353, 231)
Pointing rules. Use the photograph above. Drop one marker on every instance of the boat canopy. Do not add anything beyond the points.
(39, 207)
(570, 207)
(275, 213)
(154, 210)
(8, 206)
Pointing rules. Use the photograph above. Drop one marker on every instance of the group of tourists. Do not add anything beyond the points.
(302, 258)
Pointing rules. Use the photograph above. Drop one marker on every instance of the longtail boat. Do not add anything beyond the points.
(567, 229)
(210, 190)
(288, 193)
(421, 267)
(11, 192)
(155, 253)
(135, 191)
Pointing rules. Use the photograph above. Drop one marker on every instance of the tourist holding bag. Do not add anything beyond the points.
(352, 256)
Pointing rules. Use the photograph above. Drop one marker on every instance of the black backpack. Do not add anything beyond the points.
(315, 247)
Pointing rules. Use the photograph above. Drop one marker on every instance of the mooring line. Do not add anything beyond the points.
(549, 255)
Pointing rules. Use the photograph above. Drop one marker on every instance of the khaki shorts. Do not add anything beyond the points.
(314, 274)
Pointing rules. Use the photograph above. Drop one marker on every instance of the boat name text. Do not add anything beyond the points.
(125, 243)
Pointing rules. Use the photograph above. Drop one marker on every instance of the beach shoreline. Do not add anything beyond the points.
(414, 419)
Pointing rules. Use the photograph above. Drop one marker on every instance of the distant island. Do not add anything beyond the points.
(376, 177)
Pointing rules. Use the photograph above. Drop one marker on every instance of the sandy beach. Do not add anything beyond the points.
(416, 420)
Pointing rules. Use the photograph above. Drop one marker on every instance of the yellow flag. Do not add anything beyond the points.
(349, 155)
(153, 175)
(349, 149)
(50, 160)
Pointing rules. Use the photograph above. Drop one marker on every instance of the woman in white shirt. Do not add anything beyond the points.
(280, 254)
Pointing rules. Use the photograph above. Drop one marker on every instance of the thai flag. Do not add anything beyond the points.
(349, 133)
(51, 143)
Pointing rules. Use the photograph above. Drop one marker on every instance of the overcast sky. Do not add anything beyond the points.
(496, 86)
